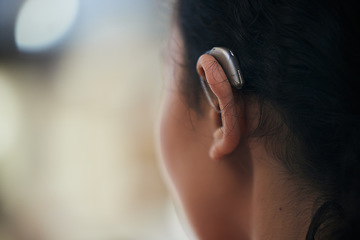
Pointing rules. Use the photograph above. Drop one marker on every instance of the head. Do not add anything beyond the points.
(281, 160)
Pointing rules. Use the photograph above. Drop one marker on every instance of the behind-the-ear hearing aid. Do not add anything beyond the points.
(230, 65)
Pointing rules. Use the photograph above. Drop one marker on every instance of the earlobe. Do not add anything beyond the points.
(227, 136)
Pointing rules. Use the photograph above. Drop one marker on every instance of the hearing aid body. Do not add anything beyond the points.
(230, 65)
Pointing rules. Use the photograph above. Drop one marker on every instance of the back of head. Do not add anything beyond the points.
(300, 59)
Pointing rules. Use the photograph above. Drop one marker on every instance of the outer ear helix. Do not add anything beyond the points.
(227, 136)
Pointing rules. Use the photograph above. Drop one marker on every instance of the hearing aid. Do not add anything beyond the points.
(230, 65)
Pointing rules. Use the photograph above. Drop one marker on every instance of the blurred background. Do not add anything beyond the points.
(80, 86)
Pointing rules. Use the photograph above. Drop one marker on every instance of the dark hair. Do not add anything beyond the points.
(300, 59)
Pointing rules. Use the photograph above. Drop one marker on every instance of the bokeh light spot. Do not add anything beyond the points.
(42, 24)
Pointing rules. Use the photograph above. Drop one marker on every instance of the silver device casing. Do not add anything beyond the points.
(230, 65)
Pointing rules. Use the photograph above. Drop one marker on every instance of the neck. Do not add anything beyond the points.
(280, 210)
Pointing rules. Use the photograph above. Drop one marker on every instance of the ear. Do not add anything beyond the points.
(228, 134)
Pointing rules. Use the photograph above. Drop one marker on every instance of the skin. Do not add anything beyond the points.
(226, 183)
